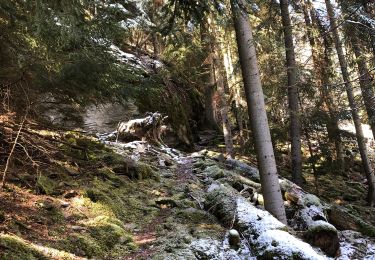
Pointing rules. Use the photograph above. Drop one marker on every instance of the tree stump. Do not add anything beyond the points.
(149, 128)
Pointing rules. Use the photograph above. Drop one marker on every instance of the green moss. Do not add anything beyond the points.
(309, 200)
(196, 216)
(103, 237)
(214, 171)
(112, 158)
(2, 216)
(96, 195)
(365, 228)
(15, 248)
(145, 171)
(45, 185)
(82, 245)
(107, 174)
(108, 231)
(90, 143)
(90, 148)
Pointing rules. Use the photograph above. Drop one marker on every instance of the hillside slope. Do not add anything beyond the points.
(138, 201)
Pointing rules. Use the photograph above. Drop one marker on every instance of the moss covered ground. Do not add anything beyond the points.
(92, 203)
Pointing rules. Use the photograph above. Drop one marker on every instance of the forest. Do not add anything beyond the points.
(187, 129)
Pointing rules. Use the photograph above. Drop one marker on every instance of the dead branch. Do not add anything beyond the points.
(12, 150)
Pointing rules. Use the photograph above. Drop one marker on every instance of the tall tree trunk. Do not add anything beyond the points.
(222, 90)
(257, 112)
(353, 106)
(295, 124)
(365, 82)
(209, 77)
(223, 106)
(322, 65)
(154, 36)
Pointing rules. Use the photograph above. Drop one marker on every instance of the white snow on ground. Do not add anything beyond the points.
(354, 245)
(286, 244)
(367, 133)
(370, 252)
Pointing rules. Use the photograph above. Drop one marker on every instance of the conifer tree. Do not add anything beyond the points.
(353, 105)
(257, 112)
(295, 124)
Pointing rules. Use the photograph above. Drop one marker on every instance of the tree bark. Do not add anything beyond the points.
(365, 82)
(353, 106)
(257, 112)
(295, 124)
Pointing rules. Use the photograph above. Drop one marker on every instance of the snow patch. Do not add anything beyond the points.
(353, 245)
(215, 250)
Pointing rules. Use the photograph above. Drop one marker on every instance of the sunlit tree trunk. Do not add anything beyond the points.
(223, 106)
(257, 112)
(295, 124)
(353, 106)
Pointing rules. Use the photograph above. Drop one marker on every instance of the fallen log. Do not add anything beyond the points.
(341, 218)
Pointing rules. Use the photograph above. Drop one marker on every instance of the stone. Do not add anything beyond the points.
(234, 238)
(64, 204)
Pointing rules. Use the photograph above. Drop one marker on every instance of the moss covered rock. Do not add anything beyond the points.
(325, 236)
(146, 171)
(83, 245)
(107, 231)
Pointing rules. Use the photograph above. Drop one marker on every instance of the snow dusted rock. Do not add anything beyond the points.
(266, 235)
(206, 248)
(323, 235)
(234, 238)
(217, 250)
